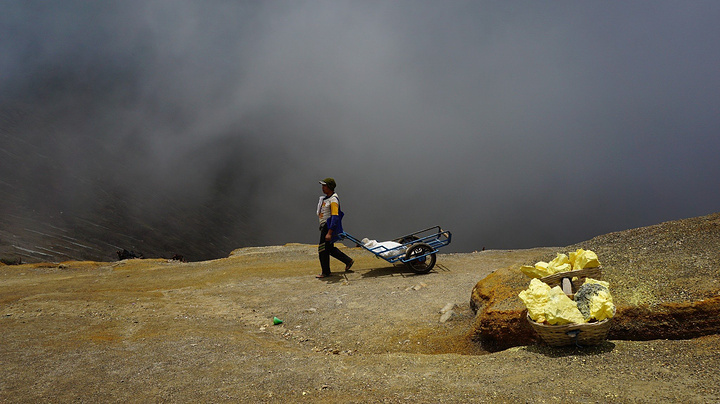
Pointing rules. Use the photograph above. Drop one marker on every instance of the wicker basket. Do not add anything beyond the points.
(572, 334)
(556, 279)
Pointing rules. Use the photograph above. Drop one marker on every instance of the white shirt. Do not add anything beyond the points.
(323, 208)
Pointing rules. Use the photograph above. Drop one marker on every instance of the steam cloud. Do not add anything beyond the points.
(199, 127)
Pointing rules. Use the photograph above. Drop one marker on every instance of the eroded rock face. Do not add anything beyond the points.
(665, 281)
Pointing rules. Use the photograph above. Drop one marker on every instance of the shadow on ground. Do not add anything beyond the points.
(399, 270)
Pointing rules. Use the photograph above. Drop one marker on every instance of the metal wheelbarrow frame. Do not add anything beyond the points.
(417, 250)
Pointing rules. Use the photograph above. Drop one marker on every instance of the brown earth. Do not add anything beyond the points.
(665, 281)
(159, 331)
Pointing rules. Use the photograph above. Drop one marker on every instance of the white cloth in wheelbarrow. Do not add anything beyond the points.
(386, 249)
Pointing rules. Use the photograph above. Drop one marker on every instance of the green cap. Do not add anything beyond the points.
(330, 182)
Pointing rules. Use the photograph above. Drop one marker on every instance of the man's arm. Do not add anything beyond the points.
(333, 220)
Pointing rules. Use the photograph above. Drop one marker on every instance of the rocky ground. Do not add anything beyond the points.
(160, 331)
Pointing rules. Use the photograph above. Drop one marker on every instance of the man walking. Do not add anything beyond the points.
(330, 215)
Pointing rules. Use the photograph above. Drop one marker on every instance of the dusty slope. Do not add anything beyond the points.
(156, 331)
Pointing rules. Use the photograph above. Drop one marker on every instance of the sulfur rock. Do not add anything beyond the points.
(578, 259)
(594, 300)
(561, 309)
(535, 298)
(561, 263)
(542, 266)
(549, 305)
(534, 271)
(602, 306)
(581, 259)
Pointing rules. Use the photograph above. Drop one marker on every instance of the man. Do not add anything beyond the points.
(330, 215)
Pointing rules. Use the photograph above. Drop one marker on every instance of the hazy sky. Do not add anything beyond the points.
(511, 123)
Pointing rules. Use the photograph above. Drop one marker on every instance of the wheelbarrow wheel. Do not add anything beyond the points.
(417, 260)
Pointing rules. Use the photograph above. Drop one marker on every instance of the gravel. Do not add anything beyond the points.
(157, 331)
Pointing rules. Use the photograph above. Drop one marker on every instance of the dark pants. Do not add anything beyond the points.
(327, 249)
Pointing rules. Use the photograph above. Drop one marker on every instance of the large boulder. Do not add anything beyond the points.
(665, 282)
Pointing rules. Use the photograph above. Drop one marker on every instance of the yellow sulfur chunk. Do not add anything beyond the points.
(573, 256)
(551, 305)
(561, 263)
(532, 272)
(602, 306)
(535, 298)
(582, 259)
(562, 268)
(538, 271)
(560, 309)
(560, 259)
(578, 259)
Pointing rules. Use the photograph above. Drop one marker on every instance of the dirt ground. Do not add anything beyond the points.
(159, 331)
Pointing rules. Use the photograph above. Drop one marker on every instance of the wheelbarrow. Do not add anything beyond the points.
(416, 250)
